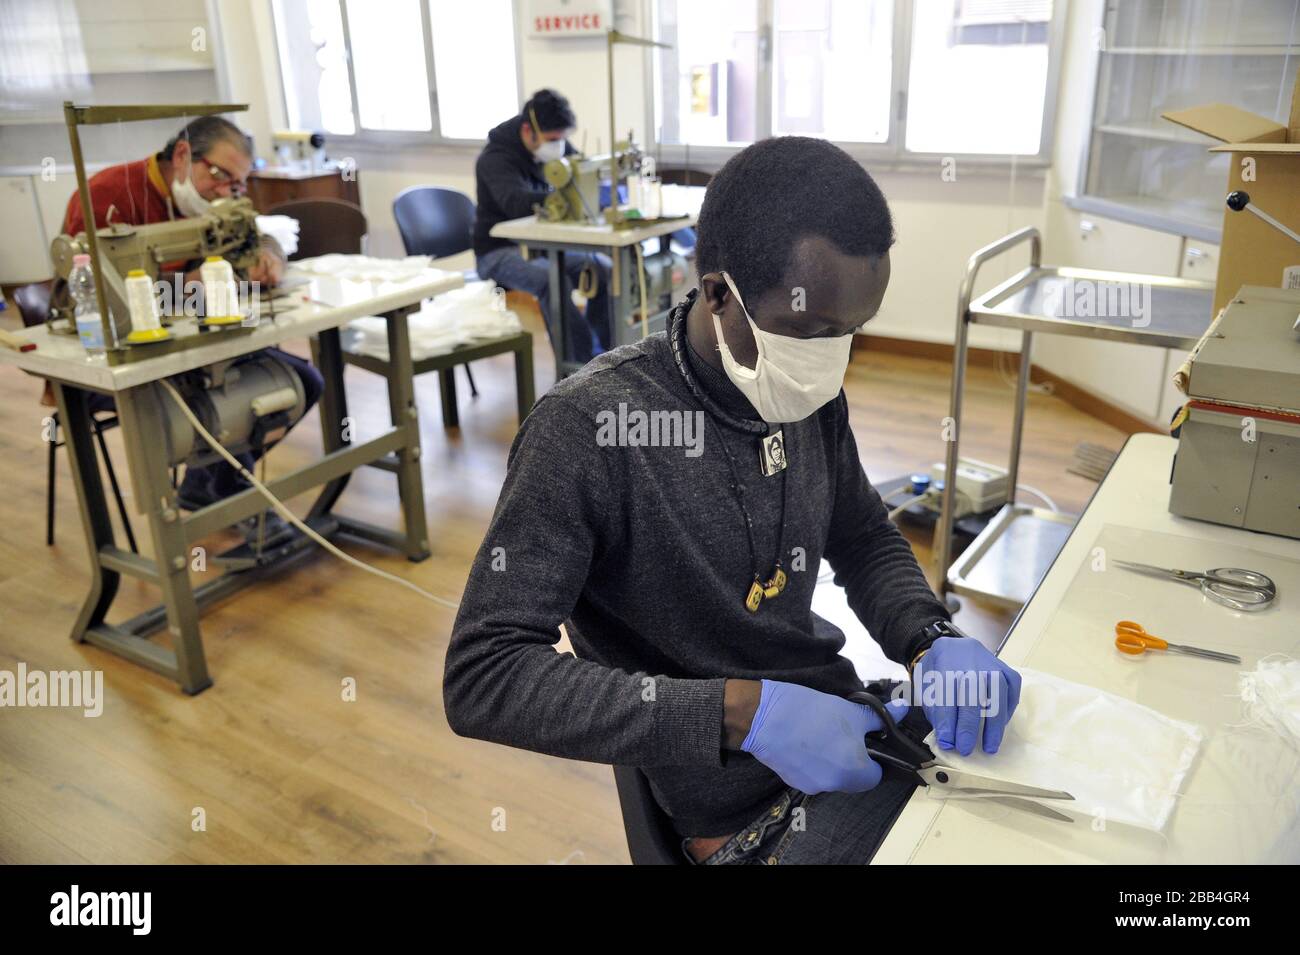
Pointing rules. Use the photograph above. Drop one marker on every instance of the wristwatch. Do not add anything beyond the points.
(940, 628)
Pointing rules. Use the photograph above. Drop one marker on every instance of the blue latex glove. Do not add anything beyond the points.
(813, 740)
(989, 699)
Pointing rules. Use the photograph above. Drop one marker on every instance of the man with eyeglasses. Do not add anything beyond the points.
(209, 159)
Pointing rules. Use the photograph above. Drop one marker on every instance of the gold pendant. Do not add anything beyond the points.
(776, 584)
(754, 598)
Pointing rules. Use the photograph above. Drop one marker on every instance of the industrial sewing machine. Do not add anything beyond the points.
(577, 182)
(229, 230)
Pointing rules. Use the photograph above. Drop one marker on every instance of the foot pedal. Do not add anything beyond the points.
(286, 543)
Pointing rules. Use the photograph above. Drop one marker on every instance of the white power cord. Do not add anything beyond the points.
(1039, 494)
(289, 515)
(932, 496)
(895, 512)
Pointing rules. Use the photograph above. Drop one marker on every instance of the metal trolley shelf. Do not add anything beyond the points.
(1006, 561)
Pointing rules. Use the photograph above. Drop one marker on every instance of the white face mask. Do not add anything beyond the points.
(548, 150)
(188, 200)
(792, 377)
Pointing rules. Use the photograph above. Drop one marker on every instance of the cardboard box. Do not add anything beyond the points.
(1265, 164)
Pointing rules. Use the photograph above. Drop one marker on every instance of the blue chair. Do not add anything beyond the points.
(437, 222)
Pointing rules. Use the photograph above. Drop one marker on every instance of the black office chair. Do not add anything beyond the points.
(33, 303)
(651, 839)
(434, 221)
(437, 222)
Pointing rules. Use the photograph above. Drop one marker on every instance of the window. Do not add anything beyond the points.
(977, 78)
(883, 77)
(347, 71)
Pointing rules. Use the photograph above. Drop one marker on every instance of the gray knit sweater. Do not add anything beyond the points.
(640, 548)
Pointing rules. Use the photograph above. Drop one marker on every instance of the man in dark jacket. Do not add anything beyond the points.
(509, 179)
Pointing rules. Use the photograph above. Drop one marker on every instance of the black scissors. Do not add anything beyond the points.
(892, 746)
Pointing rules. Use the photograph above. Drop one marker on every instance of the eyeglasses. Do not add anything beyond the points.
(223, 176)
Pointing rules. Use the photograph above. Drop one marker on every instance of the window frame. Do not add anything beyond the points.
(889, 155)
(384, 138)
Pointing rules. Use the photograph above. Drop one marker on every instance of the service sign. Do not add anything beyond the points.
(561, 18)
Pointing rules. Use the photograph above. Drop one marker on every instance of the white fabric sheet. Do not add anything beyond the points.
(1122, 762)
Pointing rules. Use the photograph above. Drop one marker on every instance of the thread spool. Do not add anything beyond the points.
(146, 326)
(220, 298)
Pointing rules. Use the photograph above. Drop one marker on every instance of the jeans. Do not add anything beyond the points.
(826, 828)
(586, 335)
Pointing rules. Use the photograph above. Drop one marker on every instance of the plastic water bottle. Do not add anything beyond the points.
(81, 285)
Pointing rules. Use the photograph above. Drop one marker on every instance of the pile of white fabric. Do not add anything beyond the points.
(451, 320)
(283, 229)
(1270, 695)
(364, 268)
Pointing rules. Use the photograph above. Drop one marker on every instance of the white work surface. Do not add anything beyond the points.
(1241, 801)
(683, 199)
(321, 303)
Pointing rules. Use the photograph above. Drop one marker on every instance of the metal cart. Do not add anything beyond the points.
(1006, 561)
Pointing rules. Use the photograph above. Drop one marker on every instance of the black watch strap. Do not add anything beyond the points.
(940, 628)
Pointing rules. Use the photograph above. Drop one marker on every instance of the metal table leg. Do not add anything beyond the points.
(952, 431)
(447, 392)
(74, 416)
(405, 416)
(525, 390)
(144, 431)
(335, 427)
(559, 321)
(1017, 429)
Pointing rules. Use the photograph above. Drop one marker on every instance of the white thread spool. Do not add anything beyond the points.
(220, 298)
(146, 326)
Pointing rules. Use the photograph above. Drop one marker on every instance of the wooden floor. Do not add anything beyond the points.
(282, 768)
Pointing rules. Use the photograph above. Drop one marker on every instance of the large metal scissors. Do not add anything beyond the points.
(892, 746)
(1233, 587)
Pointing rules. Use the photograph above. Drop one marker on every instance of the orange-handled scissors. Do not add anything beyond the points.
(1132, 638)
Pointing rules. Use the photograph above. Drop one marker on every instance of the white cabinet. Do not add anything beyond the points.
(24, 248)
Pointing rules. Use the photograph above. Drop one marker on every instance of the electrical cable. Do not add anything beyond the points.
(288, 515)
(1039, 494)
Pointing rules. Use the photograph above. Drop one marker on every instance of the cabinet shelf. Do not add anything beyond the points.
(1165, 55)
